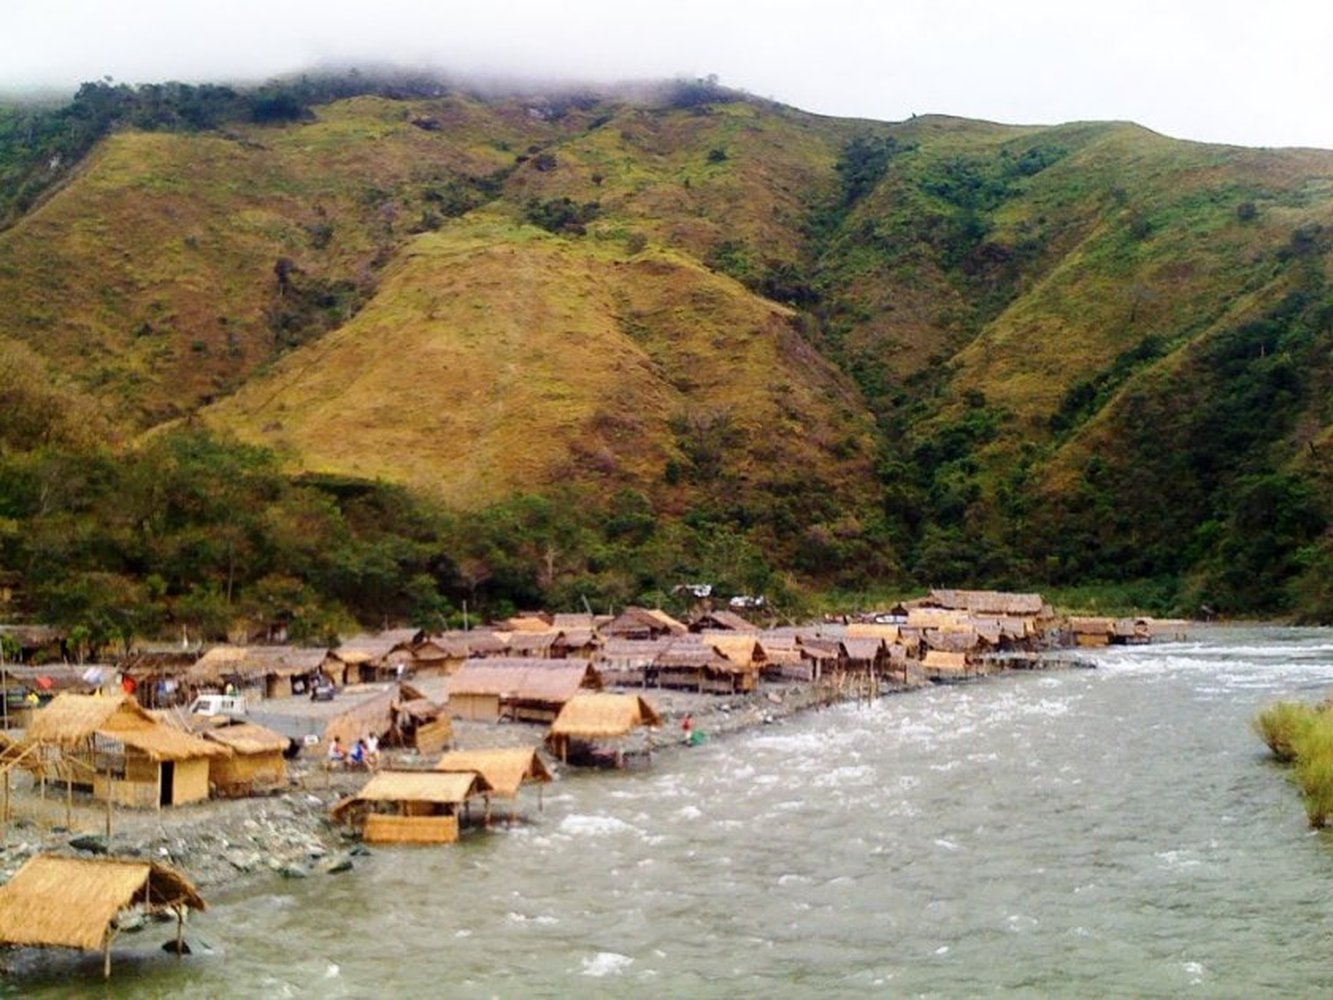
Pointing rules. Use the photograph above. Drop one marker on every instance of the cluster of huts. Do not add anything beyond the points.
(125, 736)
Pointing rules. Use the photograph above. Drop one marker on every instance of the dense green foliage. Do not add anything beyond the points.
(194, 532)
(1176, 464)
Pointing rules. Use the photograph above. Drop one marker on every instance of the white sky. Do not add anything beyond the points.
(1251, 72)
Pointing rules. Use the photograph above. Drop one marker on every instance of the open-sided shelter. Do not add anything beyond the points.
(111, 746)
(411, 807)
(593, 718)
(506, 769)
(54, 902)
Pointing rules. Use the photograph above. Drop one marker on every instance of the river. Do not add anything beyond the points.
(1111, 832)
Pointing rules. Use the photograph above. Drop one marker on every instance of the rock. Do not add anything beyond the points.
(775, 698)
(293, 871)
(131, 921)
(91, 843)
(244, 861)
(171, 947)
(358, 851)
(337, 866)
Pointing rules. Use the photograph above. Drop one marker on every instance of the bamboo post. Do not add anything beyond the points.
(69, 801)
(106, 955)
(541, 806)
(180, 931)
(110, 794)
(5, 813)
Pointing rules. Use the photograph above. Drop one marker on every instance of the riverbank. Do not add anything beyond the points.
(226, 842)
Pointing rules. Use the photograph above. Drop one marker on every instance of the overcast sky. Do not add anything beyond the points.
(1252, 73)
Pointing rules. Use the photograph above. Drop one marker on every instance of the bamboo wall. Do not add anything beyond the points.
(411, 829)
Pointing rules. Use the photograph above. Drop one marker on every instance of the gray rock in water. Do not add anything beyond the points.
(90, 843)
(359, 851)
(294, 871)
(170, 946)
(338, 865)
(132, 921)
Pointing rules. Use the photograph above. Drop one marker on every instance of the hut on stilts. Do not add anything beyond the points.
(55, 902)
(411, 807)
(589, 720)
(506, 770)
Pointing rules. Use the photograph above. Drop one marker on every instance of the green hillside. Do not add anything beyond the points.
(692, 335)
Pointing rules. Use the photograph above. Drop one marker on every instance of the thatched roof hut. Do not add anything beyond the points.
(505, 769)
(423, 805)
(525, 689)
(727, 621)
(55, 902)
(257, 762)
(987, 602)
(147, 763)
(596, 717)
(642, 623)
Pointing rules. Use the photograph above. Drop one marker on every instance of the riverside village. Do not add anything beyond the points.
(132, 789)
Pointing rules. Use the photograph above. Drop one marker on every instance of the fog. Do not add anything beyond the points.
(1222, 71)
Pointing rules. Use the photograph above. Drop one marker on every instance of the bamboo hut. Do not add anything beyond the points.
(940, 665)
(257, 762)
(55, 902)
(117, 750)
(411, 807)
(525, 690)
(596, 718)
(643, 624)
(506, 770)
(1092, 631)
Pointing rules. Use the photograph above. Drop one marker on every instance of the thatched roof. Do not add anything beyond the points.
(248, 738)
(634, 621)
(742, 650)
(283, 661)
(690, 653)
(441, 787)
(1092, 626)
(537, 680)
(872, 630)
(936, 659)
(629, 652)
(73, 718)
(526, 623)
(986, 602)
(599, 716)
(528, 643)
(579, 620)
(70, 902)
(862, 648)
(368, 647)
(504, 768)
(728, 620)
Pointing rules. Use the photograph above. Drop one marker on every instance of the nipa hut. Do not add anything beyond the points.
(55, 902)
(117, 750)
(257, 762)
(411, 807)
(524, 690)
(506, 770)
(598, 718)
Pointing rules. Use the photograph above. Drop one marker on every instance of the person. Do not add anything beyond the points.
(687, 728)
(358, 757)
(229, 690)
(337, 755)
(372, 750)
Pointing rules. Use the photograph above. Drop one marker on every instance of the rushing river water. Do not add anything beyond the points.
(1109, 832)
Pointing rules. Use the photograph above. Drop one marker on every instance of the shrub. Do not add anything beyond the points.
(1280, 725)
(1313, 745)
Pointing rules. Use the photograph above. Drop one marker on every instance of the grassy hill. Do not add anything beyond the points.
(943, 350)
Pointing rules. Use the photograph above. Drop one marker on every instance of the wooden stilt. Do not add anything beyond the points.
(487, 820)
(110, 795)
(106, 955)
(180, 931)
(6, 808)
(69, 802)
(541, 806)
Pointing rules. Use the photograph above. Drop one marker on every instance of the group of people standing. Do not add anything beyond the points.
(365, 752)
